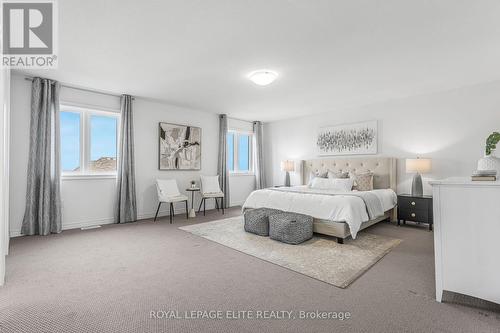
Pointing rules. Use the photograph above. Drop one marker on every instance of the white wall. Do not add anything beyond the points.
(449, 127)
(4, 168)
(89, 202)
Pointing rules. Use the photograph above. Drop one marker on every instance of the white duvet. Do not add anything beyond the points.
(320, 204)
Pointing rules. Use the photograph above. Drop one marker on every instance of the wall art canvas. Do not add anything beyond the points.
(180, 147)
(348, 139)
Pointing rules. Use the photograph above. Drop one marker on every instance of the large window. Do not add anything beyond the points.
(239, 146)
(89, 141)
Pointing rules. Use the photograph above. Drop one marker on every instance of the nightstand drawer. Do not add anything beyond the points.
(408, 203)
(414, 215)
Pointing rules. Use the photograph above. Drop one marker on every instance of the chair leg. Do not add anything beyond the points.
(171, 212)
(187, 210)
(216, 204)
(157, 210)
(201, 202)
(204, 206)
(222, 204)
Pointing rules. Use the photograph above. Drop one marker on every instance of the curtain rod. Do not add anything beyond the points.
(246, 121)
(28, 78)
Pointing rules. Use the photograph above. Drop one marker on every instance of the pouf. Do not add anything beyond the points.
(257, 220)
(290, 228)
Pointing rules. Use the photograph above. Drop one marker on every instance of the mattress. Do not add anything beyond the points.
(324, 205)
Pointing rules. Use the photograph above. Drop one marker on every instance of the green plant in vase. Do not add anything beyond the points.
(490, 161)
(491, 142)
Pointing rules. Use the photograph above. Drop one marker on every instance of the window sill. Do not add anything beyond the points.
(87, 177)
(239, 174)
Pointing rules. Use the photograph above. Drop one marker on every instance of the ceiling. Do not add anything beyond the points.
(329, 54)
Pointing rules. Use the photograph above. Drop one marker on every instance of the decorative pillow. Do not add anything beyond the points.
(337, 174)
(210, 184)
(320, 174)
(337, 184)
(316, 174)
(362, 181)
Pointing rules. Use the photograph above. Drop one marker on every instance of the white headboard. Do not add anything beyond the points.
(383, 168)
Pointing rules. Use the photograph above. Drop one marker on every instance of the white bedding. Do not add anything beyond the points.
(321, 204)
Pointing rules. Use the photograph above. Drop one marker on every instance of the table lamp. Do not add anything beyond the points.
(287, 166)
(417, 166)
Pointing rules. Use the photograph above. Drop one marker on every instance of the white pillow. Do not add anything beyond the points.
(316, 174)
(337, 184)
(210, 184)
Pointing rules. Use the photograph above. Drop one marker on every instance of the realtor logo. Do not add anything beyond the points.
(29, 34)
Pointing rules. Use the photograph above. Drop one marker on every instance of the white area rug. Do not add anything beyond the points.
(321, 257)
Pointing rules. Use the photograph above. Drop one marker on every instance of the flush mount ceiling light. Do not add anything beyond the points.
(263, 77)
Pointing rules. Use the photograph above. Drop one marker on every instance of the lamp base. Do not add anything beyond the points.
(287, 179)
(416, 186)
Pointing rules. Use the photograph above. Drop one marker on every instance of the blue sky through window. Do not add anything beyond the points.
(102, 137)
(70, 140)
(243, 152)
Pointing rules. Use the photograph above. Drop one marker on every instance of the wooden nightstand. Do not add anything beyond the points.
(416, 209)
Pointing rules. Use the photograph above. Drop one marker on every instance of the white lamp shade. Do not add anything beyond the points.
(418, 165)
(288, 166)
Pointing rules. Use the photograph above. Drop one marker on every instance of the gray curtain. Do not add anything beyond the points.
(260, 176)
(222, 169)
(42, 214)
(126, 206)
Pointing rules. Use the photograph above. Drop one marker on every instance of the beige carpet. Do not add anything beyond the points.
(108, 280)
(321, 258)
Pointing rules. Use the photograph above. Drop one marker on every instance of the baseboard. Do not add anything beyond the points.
(110, 220)
(73, 225)
(14, 233)
(90, 223)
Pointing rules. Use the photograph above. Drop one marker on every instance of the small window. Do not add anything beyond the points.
(244, 153)
(89, 140)
(70, 141)
(239, 146)
(103, 141)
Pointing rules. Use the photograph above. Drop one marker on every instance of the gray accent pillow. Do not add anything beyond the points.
(337, 174)
(362, 181)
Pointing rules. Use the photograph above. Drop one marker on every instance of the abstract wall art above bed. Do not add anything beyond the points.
(348, 139)
(180, 147)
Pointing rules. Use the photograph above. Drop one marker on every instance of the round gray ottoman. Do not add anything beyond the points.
(257, 220)
(290, 228)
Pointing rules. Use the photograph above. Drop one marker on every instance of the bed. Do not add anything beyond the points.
(336, 214)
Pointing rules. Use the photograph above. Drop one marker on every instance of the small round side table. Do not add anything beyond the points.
(192, 213)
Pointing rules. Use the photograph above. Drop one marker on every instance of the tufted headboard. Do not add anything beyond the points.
(384, 168)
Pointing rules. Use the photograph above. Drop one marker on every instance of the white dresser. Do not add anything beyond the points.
(467, 238)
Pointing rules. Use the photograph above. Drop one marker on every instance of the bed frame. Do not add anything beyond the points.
(384, 170)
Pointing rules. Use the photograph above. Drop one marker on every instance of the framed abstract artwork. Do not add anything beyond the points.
(348, 139)
(179, 147)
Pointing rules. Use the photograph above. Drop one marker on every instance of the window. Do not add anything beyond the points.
(239, 146)
(89, 140)
(70, 141)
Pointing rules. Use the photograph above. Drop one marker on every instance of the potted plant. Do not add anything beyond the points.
(193, 183)
(490, 161)
(491, 142)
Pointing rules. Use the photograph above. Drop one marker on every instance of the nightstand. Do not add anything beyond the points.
(416, 209)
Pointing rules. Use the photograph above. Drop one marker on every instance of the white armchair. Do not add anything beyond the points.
(210, 188)
(168, 192)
